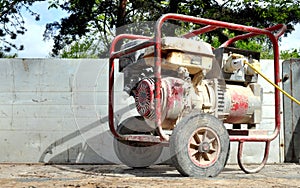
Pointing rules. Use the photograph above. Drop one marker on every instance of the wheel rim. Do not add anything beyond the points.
(204, 147)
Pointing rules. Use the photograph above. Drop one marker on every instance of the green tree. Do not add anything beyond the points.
(84, 48)
(288, 54)
(109, 17)
(12, 22)
(5, 55)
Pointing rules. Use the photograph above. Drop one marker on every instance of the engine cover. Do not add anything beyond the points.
(144, 98)
(172, 98)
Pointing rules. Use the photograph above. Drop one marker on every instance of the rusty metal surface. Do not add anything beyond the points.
(244, 104)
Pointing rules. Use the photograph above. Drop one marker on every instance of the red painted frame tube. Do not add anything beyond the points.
(261, 165)
(249, 35)
(111, 79)
(200, 31)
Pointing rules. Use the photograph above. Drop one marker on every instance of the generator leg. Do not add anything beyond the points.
(261, 165)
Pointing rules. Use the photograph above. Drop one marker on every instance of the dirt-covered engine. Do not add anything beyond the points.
(194, 77)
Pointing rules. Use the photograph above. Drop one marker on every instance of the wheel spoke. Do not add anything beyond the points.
(211, 140)
(198, 156)
(195, 154)
(214, 146)
(204, 136)
(205, 156)
(194, 146)
(194, 141)
(212, 150)
(197, 138)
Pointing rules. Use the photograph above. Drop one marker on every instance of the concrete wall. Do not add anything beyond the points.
(55, 110)
(291, 68)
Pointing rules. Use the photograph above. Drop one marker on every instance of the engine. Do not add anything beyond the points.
(194, 77)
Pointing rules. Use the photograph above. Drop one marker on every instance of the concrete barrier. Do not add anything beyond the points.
(55, 110)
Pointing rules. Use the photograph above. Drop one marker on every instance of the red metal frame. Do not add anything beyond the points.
(156, 42)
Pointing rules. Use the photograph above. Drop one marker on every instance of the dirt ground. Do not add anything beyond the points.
(92, 176)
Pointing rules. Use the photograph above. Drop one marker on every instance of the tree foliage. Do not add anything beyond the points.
(5, 55)
(288, 54)
(106, 17)
(84, 48)
(12, 22)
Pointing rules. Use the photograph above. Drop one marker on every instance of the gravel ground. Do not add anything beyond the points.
(40, 175)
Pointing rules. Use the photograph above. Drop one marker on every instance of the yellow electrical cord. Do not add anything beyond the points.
(268, 80)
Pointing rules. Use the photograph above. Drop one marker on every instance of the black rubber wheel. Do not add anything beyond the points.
(135, 154)
(199, 145)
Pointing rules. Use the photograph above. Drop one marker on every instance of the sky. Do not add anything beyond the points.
(35, 47)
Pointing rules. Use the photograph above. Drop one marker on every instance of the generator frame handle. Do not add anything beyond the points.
(210, 26)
